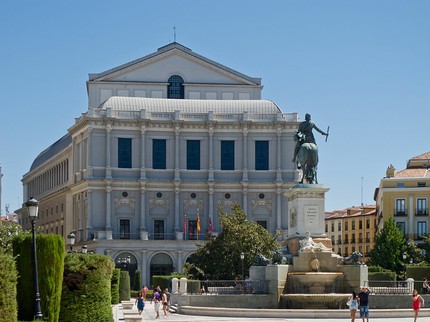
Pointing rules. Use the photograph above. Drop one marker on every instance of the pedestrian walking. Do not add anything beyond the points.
(416, 301)
(144, 291)
(156, 298)
(165, 300)
(140, 303)
(364, 303)
(353, 302)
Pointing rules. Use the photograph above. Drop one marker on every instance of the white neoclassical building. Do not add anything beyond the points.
(167, 140)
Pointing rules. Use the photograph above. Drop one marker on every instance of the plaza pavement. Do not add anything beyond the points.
(149, 314)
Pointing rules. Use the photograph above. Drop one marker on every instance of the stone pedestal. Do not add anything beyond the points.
(306, 213)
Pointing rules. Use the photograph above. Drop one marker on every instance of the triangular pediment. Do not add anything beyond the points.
(174, 59)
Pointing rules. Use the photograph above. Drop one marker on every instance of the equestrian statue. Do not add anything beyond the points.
(306, 151)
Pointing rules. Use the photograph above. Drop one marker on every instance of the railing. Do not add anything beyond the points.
(391, 287)
(158, 236)
(421, 212)
(400, 212)
(228, 287)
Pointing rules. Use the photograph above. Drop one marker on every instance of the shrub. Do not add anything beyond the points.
(86, 288)
(137, 281)
(418, 273)
(124, 286)
(50, 265)
(164, 281)
(8, 279)
(114, 286)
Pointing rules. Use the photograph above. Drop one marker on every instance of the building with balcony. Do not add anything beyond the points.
(166, 141)
(403, 195)
(352, 229)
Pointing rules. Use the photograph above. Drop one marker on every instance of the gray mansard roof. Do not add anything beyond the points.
(190, 106)
(52, 151)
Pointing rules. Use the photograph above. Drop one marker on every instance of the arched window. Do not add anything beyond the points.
(175, 88)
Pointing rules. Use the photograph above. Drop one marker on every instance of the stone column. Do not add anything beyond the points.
(143, 230)
(142, 152)
(108, 155)
(89, 155)
(108, 212)
(211, 153)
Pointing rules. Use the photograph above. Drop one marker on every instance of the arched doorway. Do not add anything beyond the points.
(161, 264)
(127, 262)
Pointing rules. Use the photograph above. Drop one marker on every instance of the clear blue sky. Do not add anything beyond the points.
(360, 67)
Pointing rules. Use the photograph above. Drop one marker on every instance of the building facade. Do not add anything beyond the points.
(167, 140)
(352, 229)
(403, 195)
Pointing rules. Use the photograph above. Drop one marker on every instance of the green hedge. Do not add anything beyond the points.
(418, 273)
(137, 281)
(382, 276)
(193, 286)
(124, 286)
(86, 288)
(164, 281)
(8, 280)
(114, 286)
(50, 265)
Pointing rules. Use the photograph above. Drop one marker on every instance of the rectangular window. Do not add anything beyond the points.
(261, 155)
(158, 229)
(193, 154)
(367, 223)
(124, 229)
(400, 207)
(402, 226)
(332, 227)
(158, 154)
(227, 155)
(124, 153)
(360, 224)
(421, 206)
(422, 228)
(339, 226)
(345, 240)
(353, 224)
(346, 225)
(353, 238)
(262, 223)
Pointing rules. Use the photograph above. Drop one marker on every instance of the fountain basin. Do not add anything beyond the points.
(314, 282)
(314, 301)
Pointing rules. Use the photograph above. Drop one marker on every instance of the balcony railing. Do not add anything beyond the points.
(400, 212)
(421, 212)
(158, 236)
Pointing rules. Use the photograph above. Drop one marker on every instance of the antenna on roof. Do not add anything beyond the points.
(174, 33)
(362, 191)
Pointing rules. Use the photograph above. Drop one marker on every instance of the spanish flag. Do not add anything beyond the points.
(198, 222)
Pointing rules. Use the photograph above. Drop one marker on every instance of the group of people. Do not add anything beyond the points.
(160, 298)
(360, 302)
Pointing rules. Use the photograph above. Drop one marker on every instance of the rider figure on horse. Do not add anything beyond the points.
(304, 135)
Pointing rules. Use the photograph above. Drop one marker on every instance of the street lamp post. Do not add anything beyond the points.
(404, 263)
(84, 249)
(242, 257)
(33, 208)
(71, 237)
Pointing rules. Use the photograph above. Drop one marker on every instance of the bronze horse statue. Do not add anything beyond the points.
(307, 160)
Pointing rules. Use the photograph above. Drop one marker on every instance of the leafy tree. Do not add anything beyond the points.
(219, 258)
(390, 244)
(8, 230)
(415, 253)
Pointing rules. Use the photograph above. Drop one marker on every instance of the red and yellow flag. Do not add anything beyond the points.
(198, 222)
